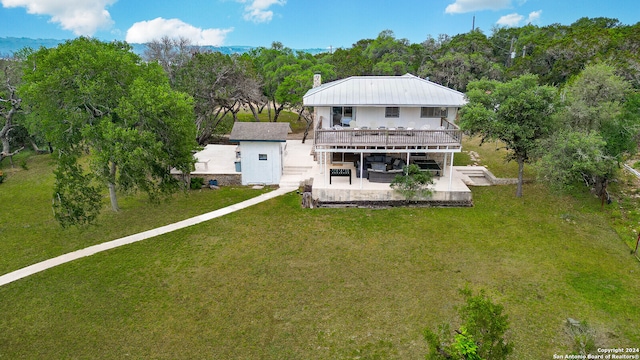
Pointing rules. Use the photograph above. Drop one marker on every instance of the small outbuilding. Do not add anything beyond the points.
(260, 151)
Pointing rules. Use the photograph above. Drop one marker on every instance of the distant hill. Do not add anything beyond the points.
(9, 45)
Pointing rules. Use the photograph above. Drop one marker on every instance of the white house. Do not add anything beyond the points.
(380, 123)
(384, 101)
(261, 151)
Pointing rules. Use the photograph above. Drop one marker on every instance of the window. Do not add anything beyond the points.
(392, 112)
(262, 157)
(336, 116)
(342, 115)
(433, 112)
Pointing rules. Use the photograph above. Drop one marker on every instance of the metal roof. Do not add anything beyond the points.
(259, 131)
(406, 90)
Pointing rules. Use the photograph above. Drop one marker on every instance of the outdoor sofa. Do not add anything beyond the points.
(380, 168)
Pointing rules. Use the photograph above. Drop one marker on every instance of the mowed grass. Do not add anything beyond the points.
(29, 233)
(275, 281)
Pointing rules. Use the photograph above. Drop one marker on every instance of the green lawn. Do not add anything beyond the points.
(30, 234)
(275, 281)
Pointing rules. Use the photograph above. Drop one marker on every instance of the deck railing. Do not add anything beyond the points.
(386, 137)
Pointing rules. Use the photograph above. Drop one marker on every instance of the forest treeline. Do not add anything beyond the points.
(275, 78)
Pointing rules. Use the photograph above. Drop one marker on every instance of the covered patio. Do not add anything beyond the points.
(449, 188)
(365, 183)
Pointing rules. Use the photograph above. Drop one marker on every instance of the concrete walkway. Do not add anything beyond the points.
(47, 264)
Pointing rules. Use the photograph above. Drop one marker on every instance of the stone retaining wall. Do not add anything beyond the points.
(223, 179)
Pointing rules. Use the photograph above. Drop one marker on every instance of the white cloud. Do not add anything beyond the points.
(80, 16)
(258, 10)
(515, 19)
(510, 20)
(146, 31)
(534, 16)
(465, 6)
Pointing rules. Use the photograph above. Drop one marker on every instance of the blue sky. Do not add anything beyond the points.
(298, 24)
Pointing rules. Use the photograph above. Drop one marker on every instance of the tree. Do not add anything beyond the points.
(170, 53)
(273, 64)
(481, 334)
(575, 157)
(288, 76)
(458, 60)
(249, 85)
(292, 88)
(77, 198)
(517, 113)
(389, 55)
(602, 120)
(101, 99)
(413, 183)
(352, 61)
(594, 97)
(10, 102)
(219, 84)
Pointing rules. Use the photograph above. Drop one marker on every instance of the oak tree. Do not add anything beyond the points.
(100, 99)
(601, 120)
(516, 113)
(10, 103)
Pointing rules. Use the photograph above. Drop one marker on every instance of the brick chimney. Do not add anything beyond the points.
(317, 80)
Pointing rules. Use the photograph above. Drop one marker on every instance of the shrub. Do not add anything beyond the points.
(582, 337)
(413, 183)
(196, 183)
(481, 334)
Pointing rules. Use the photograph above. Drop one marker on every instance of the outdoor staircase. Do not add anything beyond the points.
(295, 175)
(481, 176)
(475, 175)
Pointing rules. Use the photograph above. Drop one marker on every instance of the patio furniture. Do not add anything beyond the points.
(339, 172)
(387, 176)
(429, 165)
(380, 168)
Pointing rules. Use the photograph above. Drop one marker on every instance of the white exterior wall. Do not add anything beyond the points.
(255, 171)
(323, 114)
(452, 114)
(374, 116)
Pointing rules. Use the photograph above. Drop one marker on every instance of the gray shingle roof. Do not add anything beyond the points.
(406, 90)
(259, 131)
